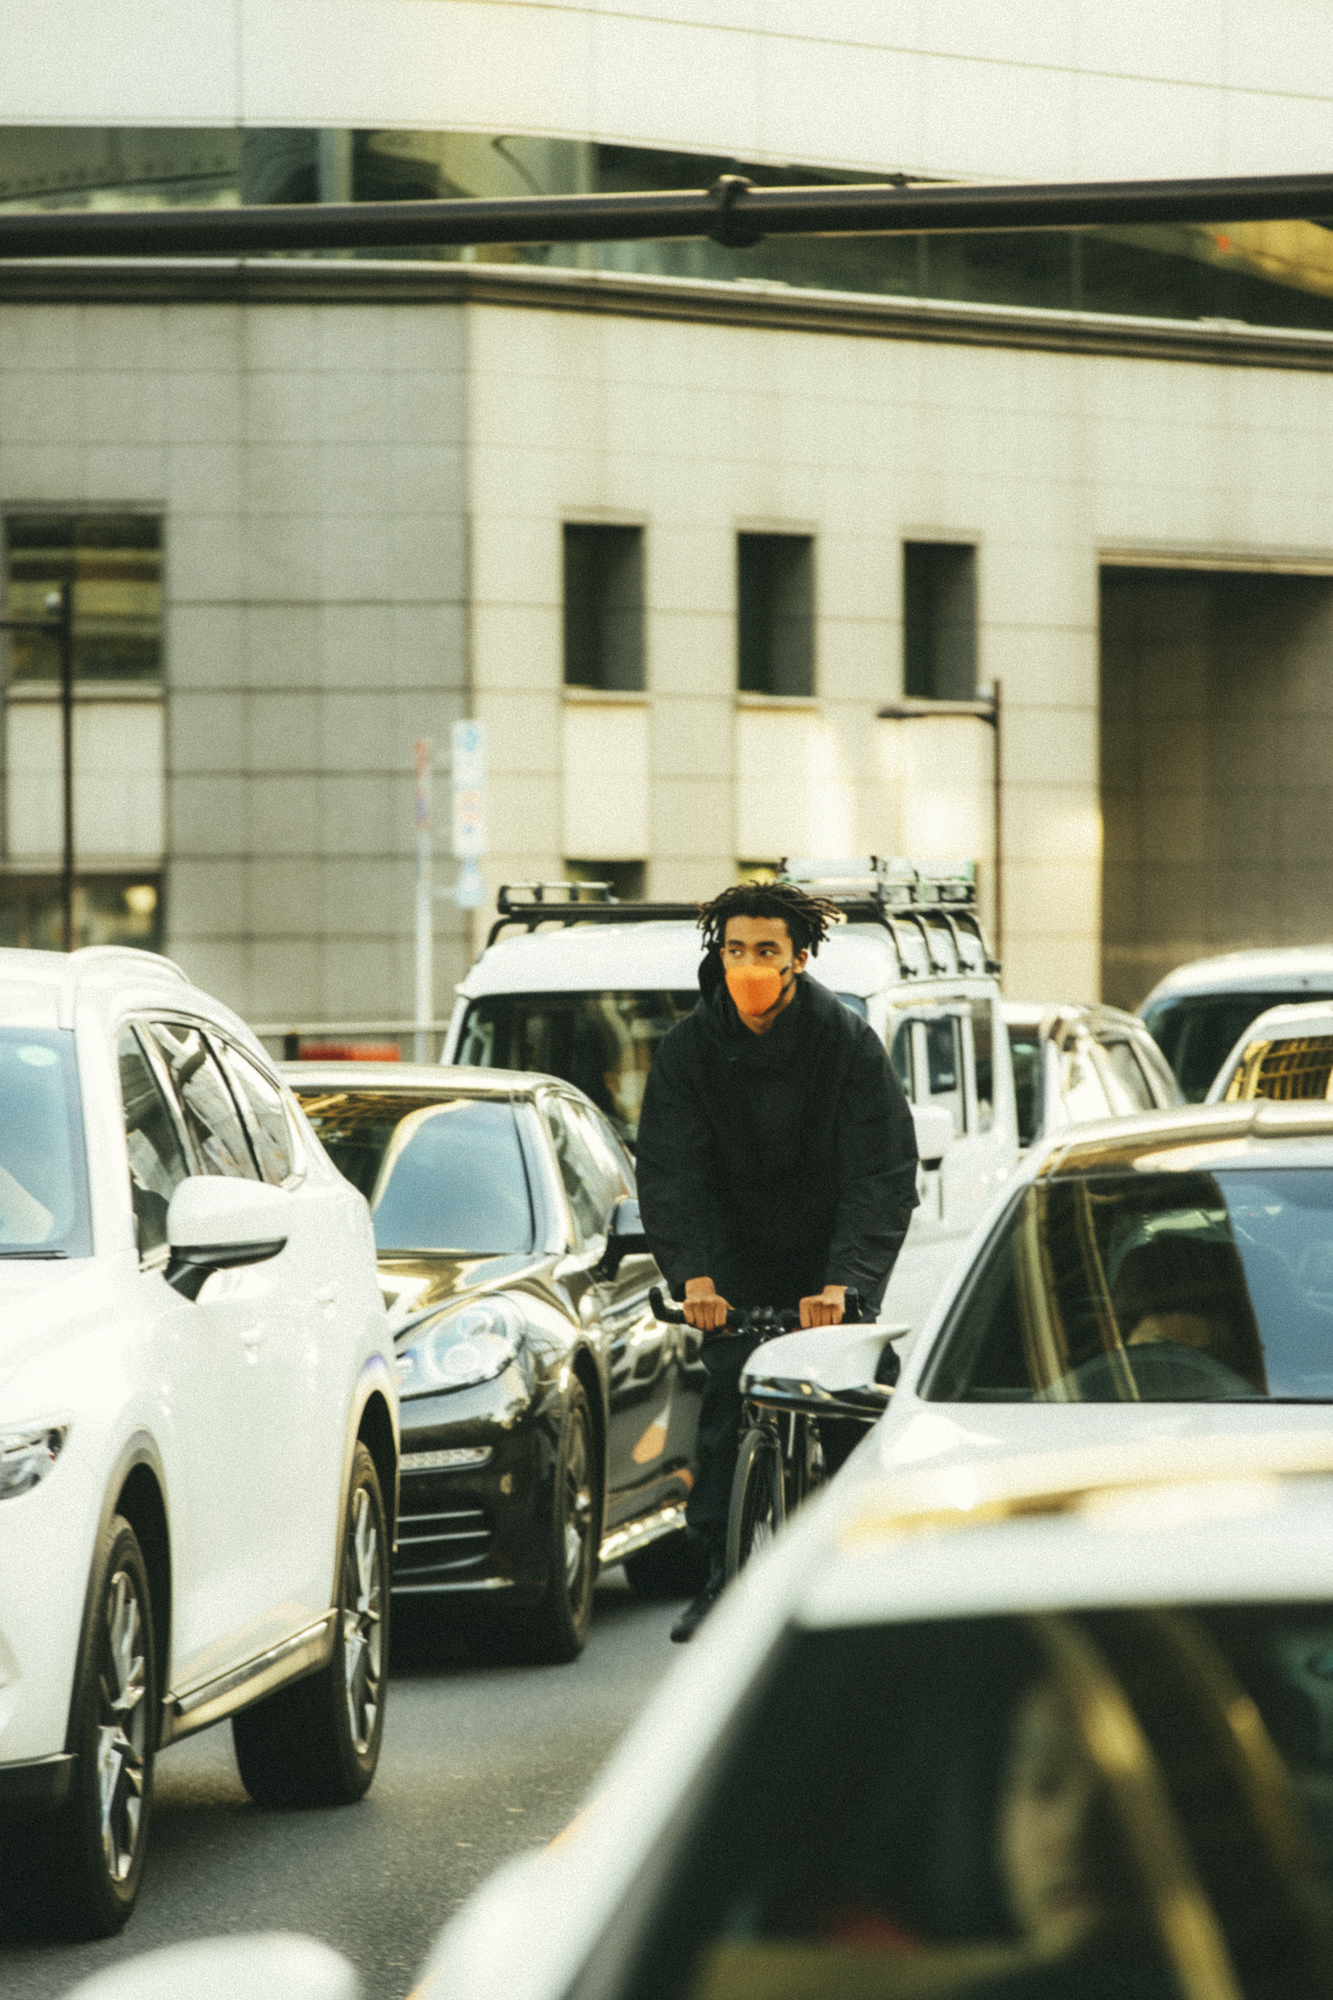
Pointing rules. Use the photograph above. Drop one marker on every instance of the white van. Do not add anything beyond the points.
(587, 990)
(1198, 1013)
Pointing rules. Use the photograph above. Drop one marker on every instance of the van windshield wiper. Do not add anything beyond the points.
(34, 1253)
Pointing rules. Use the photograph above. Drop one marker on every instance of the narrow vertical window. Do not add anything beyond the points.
(603, 607)
(112, 563)
(775, 597)
(940, 620)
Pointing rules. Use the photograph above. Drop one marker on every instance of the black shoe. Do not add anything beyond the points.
(692, 1617)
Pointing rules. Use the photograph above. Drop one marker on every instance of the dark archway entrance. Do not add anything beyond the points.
(1216, 767)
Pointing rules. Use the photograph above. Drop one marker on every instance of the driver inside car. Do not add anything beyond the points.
(1180, 1291)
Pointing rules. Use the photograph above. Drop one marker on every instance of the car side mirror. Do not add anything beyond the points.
(934, 1133)
(228, 1968)
(216, 1223)
(624, 1237)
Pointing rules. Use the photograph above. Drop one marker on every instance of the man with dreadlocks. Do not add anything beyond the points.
(776, 1161)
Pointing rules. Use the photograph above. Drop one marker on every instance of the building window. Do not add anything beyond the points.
(940, 620)
(775, 597)
(114, 564)
(603, 607)
(624, 879)
(108, 909)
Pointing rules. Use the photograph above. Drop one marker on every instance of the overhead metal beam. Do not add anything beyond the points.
(732, 212)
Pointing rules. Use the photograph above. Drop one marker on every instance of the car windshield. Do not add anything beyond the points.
(1011, 1808)
(43, 1178)
(440, 1174)
(1197, 1033)
(1152, 1287)
(602, 1042)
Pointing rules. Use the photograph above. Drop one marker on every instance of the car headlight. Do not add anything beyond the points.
(27, 1456)
(454, 1350)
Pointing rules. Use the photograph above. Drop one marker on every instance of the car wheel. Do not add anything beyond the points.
(317, 1743)
(83, 1865)
(758, 1503)
(558, 1629)
(672, 1567)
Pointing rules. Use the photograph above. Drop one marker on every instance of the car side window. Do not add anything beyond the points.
(983, 1061)
(928, 1054)
(1082, 1086)
(265, 1116)
(579, 1170)
(900, 1055)
(1126, 1085)
(157, 1158)
(211, 1119)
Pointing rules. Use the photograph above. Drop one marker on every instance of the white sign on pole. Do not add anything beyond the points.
(469, 787)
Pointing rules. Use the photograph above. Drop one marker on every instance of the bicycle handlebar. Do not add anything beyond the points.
(756, 1319)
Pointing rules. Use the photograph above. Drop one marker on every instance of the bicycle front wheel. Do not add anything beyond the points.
(758, 1503)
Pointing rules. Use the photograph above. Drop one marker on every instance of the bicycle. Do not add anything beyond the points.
(804, 1409)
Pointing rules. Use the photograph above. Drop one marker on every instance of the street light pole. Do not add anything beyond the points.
(61, 628)
(985, 708)
(64, 597)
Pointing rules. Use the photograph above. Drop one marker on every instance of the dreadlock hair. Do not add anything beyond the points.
(808, 918)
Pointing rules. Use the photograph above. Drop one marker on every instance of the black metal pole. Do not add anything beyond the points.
(998, 835)
(66, 635)
(733, 212)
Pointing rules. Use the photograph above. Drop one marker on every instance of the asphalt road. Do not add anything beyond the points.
(478, 1764)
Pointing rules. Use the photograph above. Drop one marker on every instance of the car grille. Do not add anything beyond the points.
(440, 1546)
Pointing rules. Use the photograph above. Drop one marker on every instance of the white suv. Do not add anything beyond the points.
(198, 1425)
(587, 990)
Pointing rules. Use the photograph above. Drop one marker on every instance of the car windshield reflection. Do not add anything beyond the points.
(43, 1182)
(440, 1175)
(1091, 1804)
(1153, 1287)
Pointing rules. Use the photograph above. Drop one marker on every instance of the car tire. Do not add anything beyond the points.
(317, 1742)
(78, 1870)
(675, 1566)
(758, 1500)
(556, 1631)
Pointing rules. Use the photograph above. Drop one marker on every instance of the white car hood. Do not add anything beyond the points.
(939, 1436)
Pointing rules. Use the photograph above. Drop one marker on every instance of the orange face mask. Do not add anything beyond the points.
(754, 988)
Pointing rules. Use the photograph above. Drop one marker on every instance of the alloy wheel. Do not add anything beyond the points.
(362, 1618)
(578, 1503)
(122, 1727)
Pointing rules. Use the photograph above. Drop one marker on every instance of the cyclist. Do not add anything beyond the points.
(776, 1161)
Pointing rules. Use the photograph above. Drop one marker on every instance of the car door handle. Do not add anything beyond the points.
(327, 1295)
(252, 1340)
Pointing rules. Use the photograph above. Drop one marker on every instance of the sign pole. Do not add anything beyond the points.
(469, 780)
(425, 912)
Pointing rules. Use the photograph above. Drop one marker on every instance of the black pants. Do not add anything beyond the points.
(717, 1439)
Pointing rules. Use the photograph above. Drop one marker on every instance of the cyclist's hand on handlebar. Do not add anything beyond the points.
(703, 1308)
(825, 1308)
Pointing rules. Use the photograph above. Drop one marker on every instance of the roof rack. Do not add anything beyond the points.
(529, 905)
(893, 882)
(927, 908)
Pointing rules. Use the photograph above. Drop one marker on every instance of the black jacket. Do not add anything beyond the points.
(775, 1164)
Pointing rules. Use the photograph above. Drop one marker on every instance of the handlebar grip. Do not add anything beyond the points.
(661, 1310)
